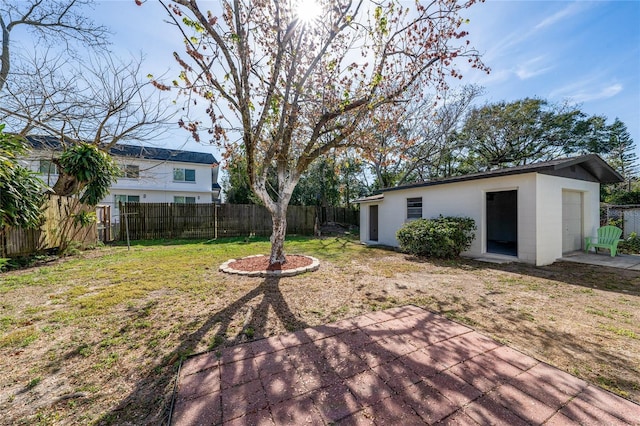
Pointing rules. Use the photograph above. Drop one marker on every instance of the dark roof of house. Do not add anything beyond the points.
(134, 151)
(597, 170)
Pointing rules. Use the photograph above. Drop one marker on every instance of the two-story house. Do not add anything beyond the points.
(149, 174)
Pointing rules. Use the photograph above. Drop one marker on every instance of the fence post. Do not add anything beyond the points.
(3, 241)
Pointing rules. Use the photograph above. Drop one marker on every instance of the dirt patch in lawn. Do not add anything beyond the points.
(98, 341)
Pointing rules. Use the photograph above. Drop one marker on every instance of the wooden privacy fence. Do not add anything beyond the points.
(58, 230)
(167, 220)
(348, 216)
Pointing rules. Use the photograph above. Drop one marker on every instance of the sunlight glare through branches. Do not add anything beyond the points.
(308, 11)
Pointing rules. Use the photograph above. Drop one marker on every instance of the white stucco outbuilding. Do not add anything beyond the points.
(532, 213)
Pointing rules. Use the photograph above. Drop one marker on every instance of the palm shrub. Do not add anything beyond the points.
(21, 191)
(442, 237)
(87, 172)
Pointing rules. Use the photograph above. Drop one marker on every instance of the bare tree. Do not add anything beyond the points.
(101, 102)
(297, 88)
(53, 21)
(419, 144)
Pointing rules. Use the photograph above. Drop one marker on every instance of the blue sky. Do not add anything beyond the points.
(586, 52)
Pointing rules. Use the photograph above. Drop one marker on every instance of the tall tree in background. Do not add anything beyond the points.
(526, 131)
(298, 88)
(55, 22)
(621, 153)
(319, 184)
(330, 181)
(236, 185)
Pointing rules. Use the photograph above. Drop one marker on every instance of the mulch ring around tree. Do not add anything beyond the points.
(258, 266)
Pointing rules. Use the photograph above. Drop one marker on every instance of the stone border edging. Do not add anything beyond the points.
(315, 264)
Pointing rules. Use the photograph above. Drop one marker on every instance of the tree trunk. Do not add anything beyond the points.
(66, 185)
(279, 218)
(278, 210)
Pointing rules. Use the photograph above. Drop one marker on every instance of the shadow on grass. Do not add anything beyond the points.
(149, 402)
(591, 277)
(594, 277)
(160, 378)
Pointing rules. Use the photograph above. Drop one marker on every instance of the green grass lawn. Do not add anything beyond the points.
(97, 338)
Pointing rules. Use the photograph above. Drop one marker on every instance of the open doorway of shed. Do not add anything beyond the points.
(502, 222)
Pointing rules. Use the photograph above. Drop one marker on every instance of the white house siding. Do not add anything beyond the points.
(459, 199)
(549, 213)
(155, 183)
(539, 212)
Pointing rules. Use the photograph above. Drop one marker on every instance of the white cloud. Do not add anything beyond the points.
(578, 93)
(572, 9)
(531, 68)
(525, 73)
(520, 36)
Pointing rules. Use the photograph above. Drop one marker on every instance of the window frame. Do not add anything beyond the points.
(185, 199)
(130, 171)
(414, 211)
(117, 198)
(49, 171)
(187, 175)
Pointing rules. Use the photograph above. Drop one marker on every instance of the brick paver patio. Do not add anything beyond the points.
(402, 366)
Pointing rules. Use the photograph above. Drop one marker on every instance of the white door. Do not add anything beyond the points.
(571, 221)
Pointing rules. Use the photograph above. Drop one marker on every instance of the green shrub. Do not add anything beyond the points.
(630, 245)
(622, 197)
(442, 237)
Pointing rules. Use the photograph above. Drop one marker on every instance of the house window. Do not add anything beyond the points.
(414, 208)
(125, 199)
(48, 167)
(130, 171)
(184, 200)
(184, 175)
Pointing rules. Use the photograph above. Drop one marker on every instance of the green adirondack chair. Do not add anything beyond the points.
(608, 237)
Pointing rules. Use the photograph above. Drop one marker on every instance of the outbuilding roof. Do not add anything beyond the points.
(370, 199)
(597, 170)
(133, 151)
(591, 167)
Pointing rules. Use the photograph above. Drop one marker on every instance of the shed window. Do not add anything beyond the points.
(414, 208)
